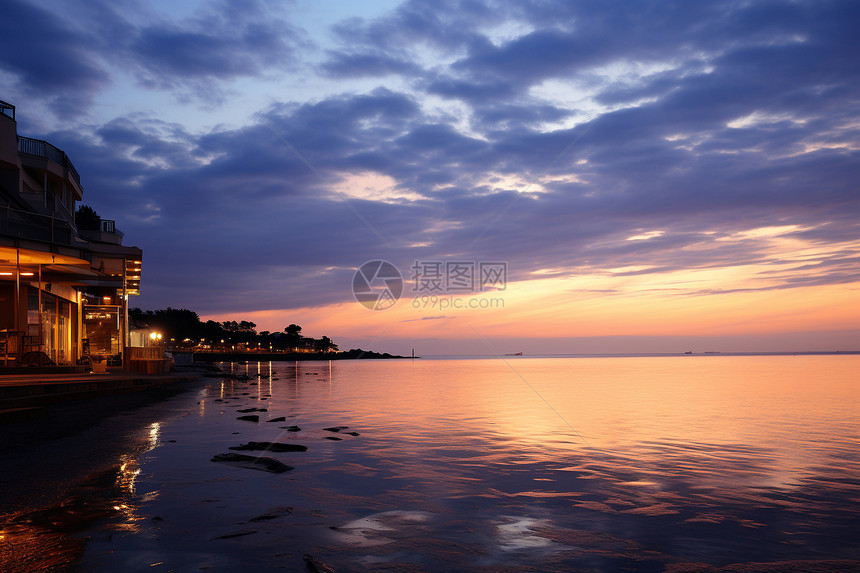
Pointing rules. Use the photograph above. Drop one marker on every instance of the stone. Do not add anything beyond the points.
(315, 565)
(279, 419)
(271, 447)
(236, 534)
(335, 428)
(252, 462)
(249, 418)
(272, 514)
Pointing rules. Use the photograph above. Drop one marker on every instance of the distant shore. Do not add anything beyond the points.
(355, 354)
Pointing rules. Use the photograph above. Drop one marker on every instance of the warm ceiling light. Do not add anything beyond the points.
(6, 274)
(27, 274)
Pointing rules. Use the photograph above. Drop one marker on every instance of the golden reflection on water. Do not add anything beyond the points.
(747, 421)
(46, 540)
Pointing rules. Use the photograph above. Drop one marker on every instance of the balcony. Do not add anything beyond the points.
(7, 109)
(34, 226)
(44, 150)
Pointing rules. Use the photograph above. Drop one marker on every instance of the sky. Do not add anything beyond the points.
(643, 176)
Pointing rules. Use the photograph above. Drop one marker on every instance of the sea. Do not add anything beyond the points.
(518, 463)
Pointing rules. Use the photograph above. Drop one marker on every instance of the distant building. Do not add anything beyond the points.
(63, 290)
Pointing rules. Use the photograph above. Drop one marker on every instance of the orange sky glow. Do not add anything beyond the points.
(560, 305)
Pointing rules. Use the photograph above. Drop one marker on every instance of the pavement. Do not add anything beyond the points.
(24, 396)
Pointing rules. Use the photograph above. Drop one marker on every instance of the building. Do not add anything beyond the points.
(63, 289)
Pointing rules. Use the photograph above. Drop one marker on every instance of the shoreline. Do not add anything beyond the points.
(210, 357)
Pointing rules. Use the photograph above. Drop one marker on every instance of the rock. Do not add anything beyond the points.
(333, 438)
(271, 447)
(291, 428)
(272, 514)
(249, 418)
(315, 565)
(246, 410)
(335, 428)
(157, 518)
(352, 433)
(252, 462)
(242, 533)
(280, 419)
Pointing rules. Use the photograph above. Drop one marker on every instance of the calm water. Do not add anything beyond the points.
(534, 464)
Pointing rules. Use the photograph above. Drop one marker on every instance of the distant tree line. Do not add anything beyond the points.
(182, 327)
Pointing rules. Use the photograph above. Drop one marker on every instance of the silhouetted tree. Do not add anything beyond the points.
(324, 344)
(87, 219)
(293, 338)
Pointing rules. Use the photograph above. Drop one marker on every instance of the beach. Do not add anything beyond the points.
(528, 464)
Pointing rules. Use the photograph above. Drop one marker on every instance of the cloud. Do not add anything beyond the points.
(69, 55)
(541, 134)
(49, 58)
(223, 42)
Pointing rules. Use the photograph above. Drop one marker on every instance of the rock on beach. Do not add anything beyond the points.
(252, 462)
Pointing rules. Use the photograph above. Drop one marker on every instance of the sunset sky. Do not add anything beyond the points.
(656, 176)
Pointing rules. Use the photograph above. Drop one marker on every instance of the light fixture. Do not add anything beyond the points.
(27, 274)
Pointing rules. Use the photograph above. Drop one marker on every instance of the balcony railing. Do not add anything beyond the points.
(34, 226)
(7, 109)
(109, 226)
(45, 150)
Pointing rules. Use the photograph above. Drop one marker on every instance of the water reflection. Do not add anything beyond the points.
(459, 465)
(52, 539)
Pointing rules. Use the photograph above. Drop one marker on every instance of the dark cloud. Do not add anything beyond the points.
(48, 58)
(224, 42)
(341, 65)
(65, 63)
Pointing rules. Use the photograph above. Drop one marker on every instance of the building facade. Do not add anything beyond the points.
(63, 290)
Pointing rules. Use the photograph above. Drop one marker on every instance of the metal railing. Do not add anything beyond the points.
(109, 226)
(34, 226)
(7, 109)
(43, 149)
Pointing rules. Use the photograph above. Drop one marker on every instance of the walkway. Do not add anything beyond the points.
(23, 396)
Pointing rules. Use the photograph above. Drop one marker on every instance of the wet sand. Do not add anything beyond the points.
(59, 473)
